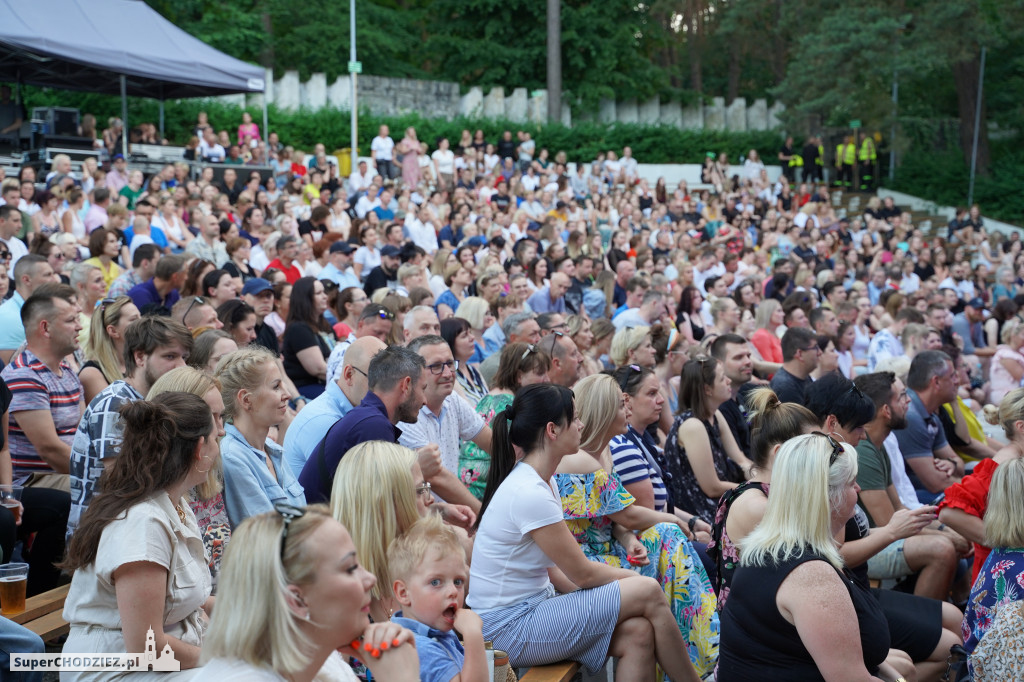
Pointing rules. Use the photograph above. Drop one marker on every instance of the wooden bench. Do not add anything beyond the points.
(43, 614)
(564, 671)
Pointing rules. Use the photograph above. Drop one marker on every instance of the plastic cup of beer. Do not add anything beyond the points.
(13, 582)
(10, 497)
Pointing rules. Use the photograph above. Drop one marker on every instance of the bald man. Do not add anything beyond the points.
(313, 421)
(551, 298)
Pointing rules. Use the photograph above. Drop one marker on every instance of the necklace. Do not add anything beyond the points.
(181, 512)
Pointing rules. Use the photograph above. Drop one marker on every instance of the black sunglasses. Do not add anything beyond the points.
(288, 514)
(837, 449)
(4, 255)
(196, 300)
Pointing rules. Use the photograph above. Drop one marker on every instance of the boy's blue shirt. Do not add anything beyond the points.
(441, 653)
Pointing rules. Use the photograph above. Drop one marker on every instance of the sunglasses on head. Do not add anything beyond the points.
(837, 448)
(288, 514)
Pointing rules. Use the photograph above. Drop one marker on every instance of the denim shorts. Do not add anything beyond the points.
(889, 564)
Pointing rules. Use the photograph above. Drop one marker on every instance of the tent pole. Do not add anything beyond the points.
(124, 117)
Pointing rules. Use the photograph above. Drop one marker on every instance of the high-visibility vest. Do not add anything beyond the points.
(818, 160)
(849, 154)
(795, 161)
(867, 150)
(839, 155)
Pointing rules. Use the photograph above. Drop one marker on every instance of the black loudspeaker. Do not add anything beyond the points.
(58, 120)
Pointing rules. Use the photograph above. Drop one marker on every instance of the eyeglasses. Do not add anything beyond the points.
(530, 348)
(59, 255)
(288, 514)
(423, 489)
(356, 369)
(438, 368)
(812, 348)
(196, 300)
(105, 302)
(837, 449)
(385, 315)
(4, 255)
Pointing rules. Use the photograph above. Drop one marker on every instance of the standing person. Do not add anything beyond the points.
(702, 454)
(256, 477)
(138, 558)
(776, 624)
(615, 613)
(308, 338)
(409, 148)
(151, 347)
(382, 153)
(259, 634)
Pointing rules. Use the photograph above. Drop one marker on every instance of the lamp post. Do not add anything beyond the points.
(354, 67)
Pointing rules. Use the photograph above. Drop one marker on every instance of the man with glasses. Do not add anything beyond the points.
(446, 419)
(518, 328)
(933, 464)
(566, 358)
(196, 312)
(551, 322)
(10, 225)
(800, 354)
(396, 381)
(340, 397)
(375, 321)
(31, 272)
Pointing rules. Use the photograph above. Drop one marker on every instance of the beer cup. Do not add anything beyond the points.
(10, 497)
(13, 582)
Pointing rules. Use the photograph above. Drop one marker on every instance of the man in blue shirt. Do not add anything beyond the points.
(313, 422)
(32, 271)
(968, 324)
(162, 289)
(339, 265)
(396, 382)
(551, 298)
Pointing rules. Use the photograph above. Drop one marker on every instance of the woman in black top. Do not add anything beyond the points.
(794, 612)
(308, 339)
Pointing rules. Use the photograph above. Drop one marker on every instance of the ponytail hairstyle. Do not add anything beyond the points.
(773, 422)
(157, 452)
(522, 424)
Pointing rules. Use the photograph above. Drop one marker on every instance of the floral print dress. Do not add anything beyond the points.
(474, 463)
(588, 499)
(1000, 582)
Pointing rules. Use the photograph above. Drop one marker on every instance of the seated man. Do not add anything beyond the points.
(446, 419)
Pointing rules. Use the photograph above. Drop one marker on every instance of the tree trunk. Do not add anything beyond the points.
(267, 53)
(694, 48)
(554, 70)
(965, 76)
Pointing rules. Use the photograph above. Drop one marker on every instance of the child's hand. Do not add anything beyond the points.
(468, 622)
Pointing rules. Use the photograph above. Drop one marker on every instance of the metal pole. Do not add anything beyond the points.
(353, 156)
(161, 115)
(266, 128)
(895, 114)
(977, 128)
(554, 9)
(124, 117)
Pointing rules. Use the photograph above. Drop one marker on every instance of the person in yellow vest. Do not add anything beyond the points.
(791, 161)
(846, 155)
(819, 160)
(867, 155)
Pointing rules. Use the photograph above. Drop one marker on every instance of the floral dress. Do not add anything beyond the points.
(474, 463)
(685, 491)
(721, 548)
(588, 499)
(1000, 582)
(214, 526)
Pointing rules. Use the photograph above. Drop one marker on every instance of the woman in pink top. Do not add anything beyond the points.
(247, 128)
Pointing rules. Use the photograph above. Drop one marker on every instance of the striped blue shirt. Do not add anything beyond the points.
(630, 464)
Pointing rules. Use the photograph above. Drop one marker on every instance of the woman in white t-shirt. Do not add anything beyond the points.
(368, 255)
(294, 599)
(524, 555)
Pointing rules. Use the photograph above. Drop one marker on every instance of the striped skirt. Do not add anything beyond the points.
(547, 628)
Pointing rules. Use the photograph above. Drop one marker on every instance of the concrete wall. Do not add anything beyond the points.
(396, 96)
(910, 202)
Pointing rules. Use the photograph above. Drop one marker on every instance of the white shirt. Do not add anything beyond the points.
(357, 182)
(382, 148)
(445, 160)
(458, 422)
(421, 234)
(508, 566)
(334, 669)
(900, 480)
(209, 152)
(529, 183)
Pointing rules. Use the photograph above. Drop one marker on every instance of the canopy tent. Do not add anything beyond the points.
(114, 47)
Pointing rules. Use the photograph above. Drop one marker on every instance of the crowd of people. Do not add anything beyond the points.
(337, 427)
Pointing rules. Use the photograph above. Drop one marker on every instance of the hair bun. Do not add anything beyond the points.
(991, 413)
(508, 412)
